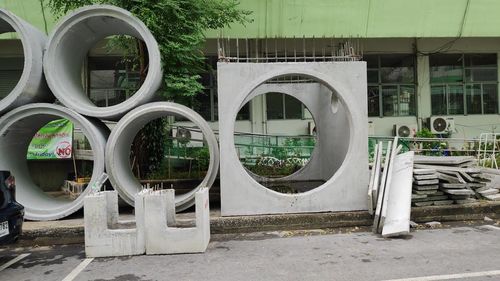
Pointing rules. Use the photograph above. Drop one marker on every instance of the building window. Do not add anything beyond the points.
(391, 85)
(464, 84)
(280, 106)
(111, 80)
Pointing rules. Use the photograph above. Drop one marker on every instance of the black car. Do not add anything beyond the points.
(11, 212)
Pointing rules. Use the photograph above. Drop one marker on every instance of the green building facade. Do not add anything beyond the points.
(425, 59)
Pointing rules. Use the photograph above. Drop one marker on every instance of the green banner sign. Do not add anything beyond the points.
(52, 141)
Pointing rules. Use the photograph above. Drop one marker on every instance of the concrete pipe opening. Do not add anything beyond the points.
(67, 51)
(118, 150)
(26, 69)
(17, 129)
(304, 136)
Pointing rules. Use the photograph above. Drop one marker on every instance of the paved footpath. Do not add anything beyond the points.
(459, 253)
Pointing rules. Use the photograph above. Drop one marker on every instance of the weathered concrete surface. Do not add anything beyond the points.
(122, 136)
(346, 189)
(104, 237)
(397, 221)
(284, 256)
(164, 238)
(66, 53)
(71, 231)
(17, 129)
(31, 86)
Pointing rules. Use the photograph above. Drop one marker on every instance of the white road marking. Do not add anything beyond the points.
(13, 261)
(72, 275)
(451, 276)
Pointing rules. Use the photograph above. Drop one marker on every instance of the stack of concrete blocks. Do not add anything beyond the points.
(491, 180)
(459, 179)
(162, 237)
(426, 189)
(104, 234)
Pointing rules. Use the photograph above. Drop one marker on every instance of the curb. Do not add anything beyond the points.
(248, 224)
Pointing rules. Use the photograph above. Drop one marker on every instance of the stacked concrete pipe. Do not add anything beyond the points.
(65, 53)
(69, 45)
(120, 140)
(31, 87)
(17, 129)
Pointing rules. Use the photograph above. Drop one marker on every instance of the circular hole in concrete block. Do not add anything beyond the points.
(296, 135)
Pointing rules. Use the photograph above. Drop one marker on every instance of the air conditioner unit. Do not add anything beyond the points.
(311, 128)
(441, 124)
(405, 130)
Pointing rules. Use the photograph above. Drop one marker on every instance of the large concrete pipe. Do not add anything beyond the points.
(31, 86)
(69, 45)
(17, 129)
(123, 134)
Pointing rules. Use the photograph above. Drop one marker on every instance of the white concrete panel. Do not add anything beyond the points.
(397, 221)
(345, 190)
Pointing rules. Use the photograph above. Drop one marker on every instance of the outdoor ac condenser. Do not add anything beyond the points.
(405, 130)
(441, 124)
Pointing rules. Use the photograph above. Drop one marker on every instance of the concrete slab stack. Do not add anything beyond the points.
(426, 189)
(459, 181)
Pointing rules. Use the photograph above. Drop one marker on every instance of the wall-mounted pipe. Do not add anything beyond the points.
(17, 129)
(69, 44)
(31, 86)
(123, 134)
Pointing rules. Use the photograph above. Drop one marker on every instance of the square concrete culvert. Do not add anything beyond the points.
(340, 157)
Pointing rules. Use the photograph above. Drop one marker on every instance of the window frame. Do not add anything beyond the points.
(283, 104)
(465, 84)
(380, 86)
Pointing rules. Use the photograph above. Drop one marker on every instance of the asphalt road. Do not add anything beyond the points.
(459, 253)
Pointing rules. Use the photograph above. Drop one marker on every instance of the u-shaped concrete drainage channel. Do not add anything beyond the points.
(456, 253)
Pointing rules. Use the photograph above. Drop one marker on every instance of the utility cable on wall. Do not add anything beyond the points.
(447, 46)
